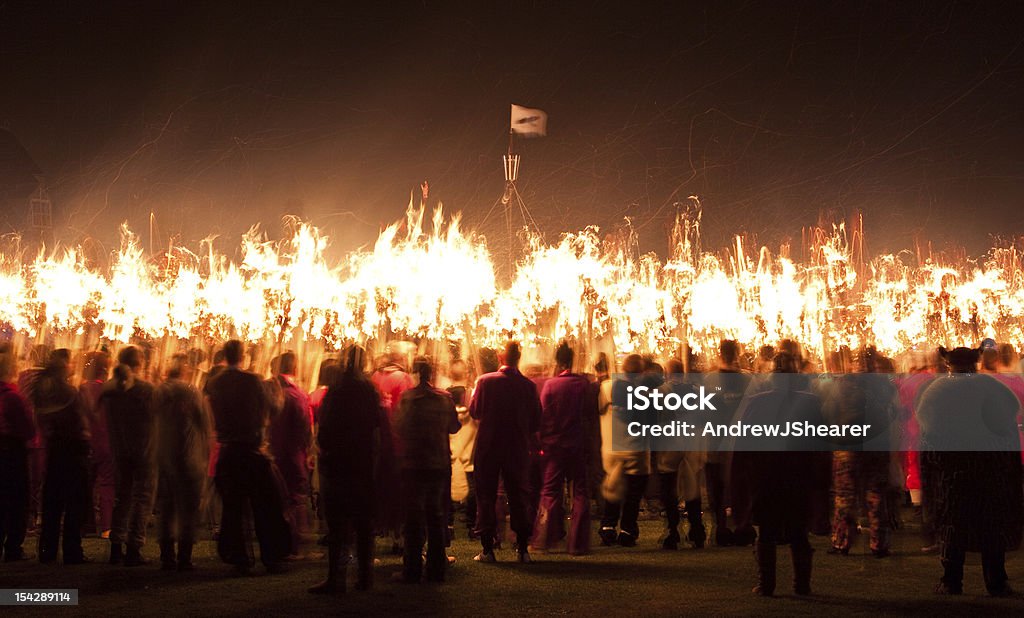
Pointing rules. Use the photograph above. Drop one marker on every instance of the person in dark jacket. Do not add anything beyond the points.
(349, 442)
(127, 402)
(507, 406)
(290, 433)
(65, 429)
(16, 430)
(244, 473)
(778, 485)
(426, 417)
(563, 444)
(182, 449)
(971, 469)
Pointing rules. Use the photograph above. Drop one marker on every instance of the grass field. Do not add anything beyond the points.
(644, 580)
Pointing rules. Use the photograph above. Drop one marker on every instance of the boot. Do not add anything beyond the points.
(764, 554)
(185, 557)
(364, 579)
(116, 553)
(335, 582)
(167, 559)
(133, 557)
(801, 569)
(698, 534)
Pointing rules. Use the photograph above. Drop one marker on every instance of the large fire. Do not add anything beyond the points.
(440, 285)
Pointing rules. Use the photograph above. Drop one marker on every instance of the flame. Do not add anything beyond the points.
(438, 282)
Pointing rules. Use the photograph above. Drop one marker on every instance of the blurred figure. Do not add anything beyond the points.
(182, 449)
(95, 374)
(17, 429)
(426, 417)
(978, 502)
(563, 446)
(922, 371)
(391, 381)
(778, 486)
(37, 359)
(633, 462)
(349, 439)
(65, 430)
(668, 465)
(861, 476)
(127, 402)
(245, 476)
(290, 433)
(463, 441)
(733, 383)
(508, 409)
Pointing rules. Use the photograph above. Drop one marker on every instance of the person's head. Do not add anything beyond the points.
(511, 354)
(564, 356)
(423, 368)
(729, 350)
(288, 363)
(990, 360)
(784, 362)
(353, 361)
(8, 364)
(219, 358)
(674, 367)
(59, 364)
(766, 353)
(1007, 356)
(961, 360)
(866, 360)
(601, 366)
(233, 353)
(489, 361)
(457, 370)
(180, 368)
(328, 371)
(634, 363)
(791, 347)
(97, 366)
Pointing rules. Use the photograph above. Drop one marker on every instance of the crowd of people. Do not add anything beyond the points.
(393, 449)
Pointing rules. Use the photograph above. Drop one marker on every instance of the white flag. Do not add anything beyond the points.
(529, 122)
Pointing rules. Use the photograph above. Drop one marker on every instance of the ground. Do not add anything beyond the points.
(612, 581)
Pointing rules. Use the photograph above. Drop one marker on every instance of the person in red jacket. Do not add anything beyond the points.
(508, 408)
(290, 433)
(101, 471)
(16, 430)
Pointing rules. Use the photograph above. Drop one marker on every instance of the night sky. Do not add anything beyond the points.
(218, 118)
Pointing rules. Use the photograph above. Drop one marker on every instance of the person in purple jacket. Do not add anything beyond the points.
(563, 447)
(508, 408)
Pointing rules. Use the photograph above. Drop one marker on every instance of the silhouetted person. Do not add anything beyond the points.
(62, 423)
(182, 449)
(667, 466)
(563, 444)
(779, 485)
(127, 401)
(16, 430)
(349, 440)
(425, 419)
(978, 504)
(290, 433)
(244, 475)
(507, 406)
